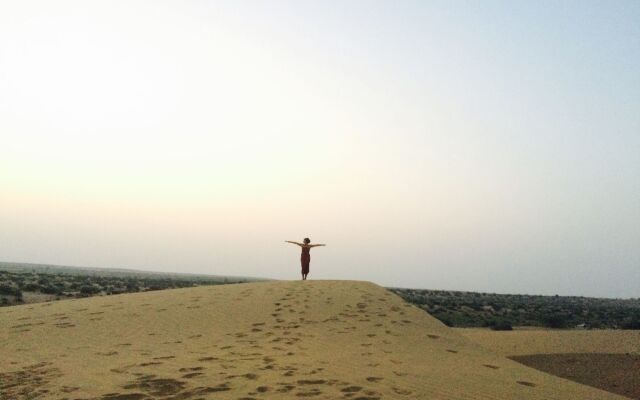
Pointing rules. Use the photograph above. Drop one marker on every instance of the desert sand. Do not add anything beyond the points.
(276, 340)
(546, 341)
(606, 359)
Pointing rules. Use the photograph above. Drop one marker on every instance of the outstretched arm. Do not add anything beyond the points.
(316, 245)
(292, 242)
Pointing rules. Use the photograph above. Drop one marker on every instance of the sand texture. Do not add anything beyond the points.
(275, 340)
(525, 342)
(617, 373)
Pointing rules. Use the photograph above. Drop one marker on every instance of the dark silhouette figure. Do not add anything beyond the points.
(305, 257)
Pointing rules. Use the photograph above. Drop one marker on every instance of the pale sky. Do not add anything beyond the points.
(482, 146)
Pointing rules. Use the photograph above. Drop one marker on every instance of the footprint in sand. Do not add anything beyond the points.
(69, 389)
(191, 375)
(490, 366)
(208, 359)
(168, 387)
(191, 369)
(110, 353)
(433, 336)
(312, 382)
(525, 383)
(125, 396)
(122, 369)
(150, 363)
(372, 396)
(21, 326)
(286, 387)
(309, 393)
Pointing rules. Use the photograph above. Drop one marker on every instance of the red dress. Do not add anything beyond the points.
(305, 259)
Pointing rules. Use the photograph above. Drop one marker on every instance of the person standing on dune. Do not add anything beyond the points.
(305, 257)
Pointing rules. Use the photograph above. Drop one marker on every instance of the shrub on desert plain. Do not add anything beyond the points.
(461, 309)
(631, 324)
(500, 326)
(88, 290)
(556, 321)
(115, 290)
(50, 290)
(446, 321)
(31, 287)
(11, 290)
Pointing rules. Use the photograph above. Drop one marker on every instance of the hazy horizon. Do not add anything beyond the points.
(268, 279)
(489, 147)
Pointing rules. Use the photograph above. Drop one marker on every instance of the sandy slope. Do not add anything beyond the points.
(524, 342)
(313, 339)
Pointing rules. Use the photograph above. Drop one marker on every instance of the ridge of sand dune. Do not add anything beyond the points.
(311, 339)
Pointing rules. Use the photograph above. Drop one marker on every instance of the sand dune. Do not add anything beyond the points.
(312, 339)
(606, 359)
(545, 341)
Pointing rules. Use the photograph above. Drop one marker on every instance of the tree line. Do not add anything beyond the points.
(504, 311)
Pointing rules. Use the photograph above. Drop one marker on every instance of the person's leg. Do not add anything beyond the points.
(305, 268)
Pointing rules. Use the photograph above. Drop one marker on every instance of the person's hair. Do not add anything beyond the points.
(307, 240)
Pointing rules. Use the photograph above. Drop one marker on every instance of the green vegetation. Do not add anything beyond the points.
(31, 283)
(503, 311)
(10, 289)
(500, 326)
